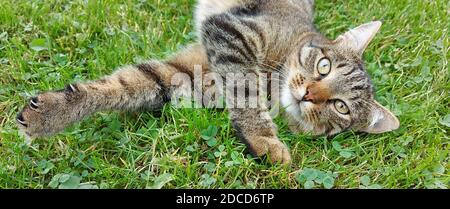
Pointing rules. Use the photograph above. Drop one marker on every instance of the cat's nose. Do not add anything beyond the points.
(316, 93)
(307, 96)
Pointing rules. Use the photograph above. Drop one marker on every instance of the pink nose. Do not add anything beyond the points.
(317, 93)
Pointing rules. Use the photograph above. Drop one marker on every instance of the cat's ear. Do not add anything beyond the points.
(381, 120)
(358, 39)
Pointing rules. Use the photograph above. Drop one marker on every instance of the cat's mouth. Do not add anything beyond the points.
(298, 89)
(304, 99)
(298, 94)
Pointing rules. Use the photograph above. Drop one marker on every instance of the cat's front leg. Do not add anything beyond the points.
(234, 47)
(129, 88)
(144, 86)
(256, 129)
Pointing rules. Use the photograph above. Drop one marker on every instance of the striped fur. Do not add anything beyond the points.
(241, 36)
(146, 86)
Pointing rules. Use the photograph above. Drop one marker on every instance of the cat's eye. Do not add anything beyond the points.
(341, 107)
(324, 66)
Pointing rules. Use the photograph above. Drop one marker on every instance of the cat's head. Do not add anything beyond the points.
(328, 90)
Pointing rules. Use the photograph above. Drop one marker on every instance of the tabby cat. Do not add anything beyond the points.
(325, 87)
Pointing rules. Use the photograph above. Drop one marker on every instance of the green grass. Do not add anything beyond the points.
(408, 62)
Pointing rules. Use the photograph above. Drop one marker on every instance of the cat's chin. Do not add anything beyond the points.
(294, 113)
(290, 104)
(293, 110)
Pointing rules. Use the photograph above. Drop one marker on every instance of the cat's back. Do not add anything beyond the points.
(283, 11)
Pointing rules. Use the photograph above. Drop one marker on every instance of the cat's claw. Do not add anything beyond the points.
(45, 114)
(31, 120)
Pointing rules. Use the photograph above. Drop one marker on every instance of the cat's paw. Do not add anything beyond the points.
(49, 112)
(273, 148)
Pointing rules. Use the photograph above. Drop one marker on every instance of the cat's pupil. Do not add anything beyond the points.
(341, 107)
